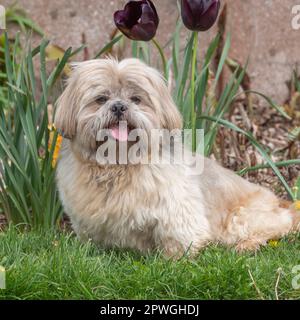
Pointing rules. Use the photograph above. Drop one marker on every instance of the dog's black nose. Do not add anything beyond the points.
(118, 108)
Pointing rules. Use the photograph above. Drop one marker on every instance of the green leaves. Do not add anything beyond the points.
(27, 179)
(18, 16)
(108, 46)
(257, 145)
(199, 95)
(297, 189)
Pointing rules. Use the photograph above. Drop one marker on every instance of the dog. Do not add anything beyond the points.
(149, 207)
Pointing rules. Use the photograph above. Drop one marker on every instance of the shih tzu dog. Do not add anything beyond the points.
(146, 206)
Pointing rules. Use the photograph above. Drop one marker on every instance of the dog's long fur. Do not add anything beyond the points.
(148, 207)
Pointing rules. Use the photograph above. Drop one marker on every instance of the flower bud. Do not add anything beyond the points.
(199, 15)
(138, 20)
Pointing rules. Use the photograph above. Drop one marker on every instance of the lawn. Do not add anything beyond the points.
(55, 265)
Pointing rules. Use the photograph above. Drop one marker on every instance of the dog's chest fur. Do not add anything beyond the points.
(119, 205)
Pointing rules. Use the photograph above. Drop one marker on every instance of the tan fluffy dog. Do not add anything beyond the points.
(148, 207)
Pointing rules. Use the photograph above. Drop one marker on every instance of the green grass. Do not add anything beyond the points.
(55, 265)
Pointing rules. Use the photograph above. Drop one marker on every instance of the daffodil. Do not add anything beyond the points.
(58, 143)
(273, 243)
(297, 205)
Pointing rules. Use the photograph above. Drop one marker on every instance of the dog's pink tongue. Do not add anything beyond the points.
(120, 133)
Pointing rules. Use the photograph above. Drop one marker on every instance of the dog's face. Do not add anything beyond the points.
(102, 93)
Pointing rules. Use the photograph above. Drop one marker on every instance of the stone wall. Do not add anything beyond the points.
(261, 29)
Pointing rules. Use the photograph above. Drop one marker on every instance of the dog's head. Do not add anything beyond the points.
(102, 93)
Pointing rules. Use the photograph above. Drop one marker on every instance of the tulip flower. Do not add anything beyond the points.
(199, 15)
(138, 20)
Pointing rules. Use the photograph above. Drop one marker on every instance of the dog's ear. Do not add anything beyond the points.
(65, 115)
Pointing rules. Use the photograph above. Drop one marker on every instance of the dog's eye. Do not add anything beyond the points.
(135, 99)
(102, 99)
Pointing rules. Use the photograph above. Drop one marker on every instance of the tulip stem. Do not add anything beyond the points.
(162, 55)
(193, 106)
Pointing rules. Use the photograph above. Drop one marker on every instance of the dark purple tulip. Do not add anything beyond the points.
(199, 15)
(138, 20)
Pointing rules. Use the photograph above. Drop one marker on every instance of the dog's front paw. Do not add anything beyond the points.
(248, 245)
